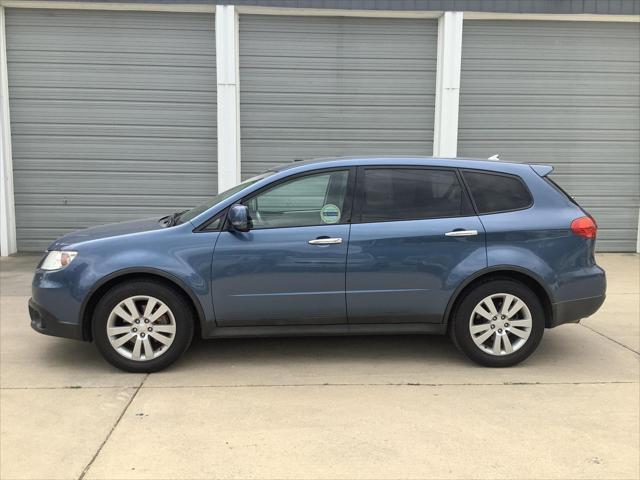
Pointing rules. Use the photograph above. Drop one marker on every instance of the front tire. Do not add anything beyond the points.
(498, 323)
(142, 326)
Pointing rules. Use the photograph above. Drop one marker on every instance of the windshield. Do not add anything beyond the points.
(195, 211)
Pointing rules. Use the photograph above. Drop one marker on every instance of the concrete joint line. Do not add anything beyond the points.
(287, 385)
(104, 442)
(609, 338)
(398, 384)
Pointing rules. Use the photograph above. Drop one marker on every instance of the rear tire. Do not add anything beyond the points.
(142, 326)
(498, 323)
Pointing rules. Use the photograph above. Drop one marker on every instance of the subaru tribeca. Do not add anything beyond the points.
(491, 253)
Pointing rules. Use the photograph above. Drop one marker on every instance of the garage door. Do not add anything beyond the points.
(112, 117)
(564, 93)
(327, 86)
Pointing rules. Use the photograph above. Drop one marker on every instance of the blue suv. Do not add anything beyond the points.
(491, 253)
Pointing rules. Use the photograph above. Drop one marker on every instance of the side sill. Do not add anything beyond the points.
(319, 330)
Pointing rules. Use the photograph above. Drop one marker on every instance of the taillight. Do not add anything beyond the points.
(584, 227)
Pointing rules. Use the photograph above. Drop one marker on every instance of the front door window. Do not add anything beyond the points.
(302, 202)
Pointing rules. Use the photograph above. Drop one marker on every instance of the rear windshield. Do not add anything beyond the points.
(497, 192)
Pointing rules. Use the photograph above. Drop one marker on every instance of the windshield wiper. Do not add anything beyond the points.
(173, 219)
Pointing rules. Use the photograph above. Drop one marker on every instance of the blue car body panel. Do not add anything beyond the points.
(538, 240)
(398, 272)
(176, 254)
(406, 271)
(275, 277)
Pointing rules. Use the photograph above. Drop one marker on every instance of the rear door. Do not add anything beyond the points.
(414, 239)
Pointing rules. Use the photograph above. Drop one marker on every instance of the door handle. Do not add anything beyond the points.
(325, 241)
(461, 233)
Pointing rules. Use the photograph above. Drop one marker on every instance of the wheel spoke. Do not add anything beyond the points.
(148, 350)
(480, 328)
(112, 331)
(519, 333)
(123, 314)
(122, 340)
(517, 306)
(507, 344)
(164, 328)
(161, 338)
(162, 309)
(525, 323)
(482, 338)
(148, 309)
(488, 302)
(496, 345)
(135, 354)
(508, 300)
(131, 305)
(480, 310)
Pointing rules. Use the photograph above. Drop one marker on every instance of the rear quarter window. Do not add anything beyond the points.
(497, 192)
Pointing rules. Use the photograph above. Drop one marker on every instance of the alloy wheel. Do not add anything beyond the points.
(141, 328)
(500, 324)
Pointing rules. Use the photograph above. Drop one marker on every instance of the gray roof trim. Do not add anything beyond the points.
(601, 7)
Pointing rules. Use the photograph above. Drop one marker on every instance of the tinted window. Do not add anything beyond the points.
(407, 193)
(497, 193)
(317, 199)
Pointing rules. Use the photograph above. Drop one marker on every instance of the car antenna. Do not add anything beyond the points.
(495, 157)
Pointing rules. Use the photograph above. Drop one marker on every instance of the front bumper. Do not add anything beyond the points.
(44, 322)
(573, 311)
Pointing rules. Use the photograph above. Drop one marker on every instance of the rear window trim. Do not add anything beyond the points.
(500, 174)
(359, 193)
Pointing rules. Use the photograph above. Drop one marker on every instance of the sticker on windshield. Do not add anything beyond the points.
(330, 213)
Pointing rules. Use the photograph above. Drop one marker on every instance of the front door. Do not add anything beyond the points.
(414, 238)
(289, 269)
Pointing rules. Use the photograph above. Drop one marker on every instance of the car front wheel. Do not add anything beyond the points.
(498, 323)
(142, 326)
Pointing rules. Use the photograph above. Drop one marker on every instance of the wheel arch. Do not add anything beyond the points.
(108, 282)
(522, 275)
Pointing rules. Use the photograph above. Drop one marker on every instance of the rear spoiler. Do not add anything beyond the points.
(542, 170)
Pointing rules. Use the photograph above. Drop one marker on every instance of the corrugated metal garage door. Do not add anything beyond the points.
(565, 93)
(326, 86)
(112, 117)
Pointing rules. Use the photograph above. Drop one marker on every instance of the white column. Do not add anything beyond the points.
(228, 94)
(8, 243)
(638, 237)
(445, 132)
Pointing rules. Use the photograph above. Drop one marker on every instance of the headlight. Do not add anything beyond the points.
(56, 260)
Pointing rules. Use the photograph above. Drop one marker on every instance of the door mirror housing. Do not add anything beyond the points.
(239, 218)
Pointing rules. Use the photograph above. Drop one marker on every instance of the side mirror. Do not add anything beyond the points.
(239, 218)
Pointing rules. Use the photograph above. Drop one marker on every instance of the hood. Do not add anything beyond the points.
(106, 231)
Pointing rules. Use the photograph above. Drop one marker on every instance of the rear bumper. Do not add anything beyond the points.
(573, 311)
(44, 322)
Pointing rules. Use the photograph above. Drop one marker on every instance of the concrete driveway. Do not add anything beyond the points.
(359, 407)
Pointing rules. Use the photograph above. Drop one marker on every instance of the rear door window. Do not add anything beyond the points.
(497, 192)
(389, 194)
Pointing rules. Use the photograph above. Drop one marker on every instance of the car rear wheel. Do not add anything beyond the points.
(498, 323)
(142, 326)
